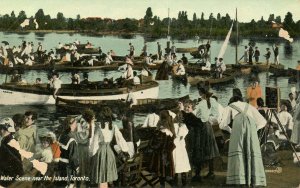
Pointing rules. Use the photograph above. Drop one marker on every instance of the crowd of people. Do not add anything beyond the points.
(24, 54)
(250, 53)
(183, 140)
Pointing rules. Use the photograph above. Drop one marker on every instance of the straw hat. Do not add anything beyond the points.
(8, 124)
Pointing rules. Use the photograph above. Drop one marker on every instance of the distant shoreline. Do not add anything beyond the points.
(118, 33)
(72, 31)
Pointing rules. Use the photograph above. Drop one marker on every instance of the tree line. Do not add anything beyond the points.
(215, 26)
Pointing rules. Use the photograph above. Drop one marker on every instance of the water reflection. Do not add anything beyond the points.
(39, 35)
(23, 33)
(126, 36)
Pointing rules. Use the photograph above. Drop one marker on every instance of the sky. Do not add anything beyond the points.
(116, 9)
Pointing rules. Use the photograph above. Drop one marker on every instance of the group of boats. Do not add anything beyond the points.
(37, 94)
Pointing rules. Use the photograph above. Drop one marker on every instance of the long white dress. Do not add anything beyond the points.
(180, 156)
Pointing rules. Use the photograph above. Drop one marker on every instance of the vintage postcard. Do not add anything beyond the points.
(170, 93)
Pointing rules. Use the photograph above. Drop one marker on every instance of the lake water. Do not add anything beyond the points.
(168, 89)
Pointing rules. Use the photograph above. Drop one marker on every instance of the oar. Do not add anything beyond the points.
(241, 58)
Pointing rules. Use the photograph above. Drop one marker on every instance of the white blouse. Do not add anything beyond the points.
(229, 114)
(106, 135)
(206, 114)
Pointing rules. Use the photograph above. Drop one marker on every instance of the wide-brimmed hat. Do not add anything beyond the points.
(45, 134)
(8, 124)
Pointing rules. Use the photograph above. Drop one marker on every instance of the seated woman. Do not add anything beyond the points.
(207, 66)
(85, 80)
(75, 78)
(180, 70)
(44, 152)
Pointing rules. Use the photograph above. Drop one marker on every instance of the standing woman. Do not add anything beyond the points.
(295, 137)
(207, 110)
(193, 138)
(68, 164)
(82, 136)
(103, 162)
(162, 144)
(180, 155)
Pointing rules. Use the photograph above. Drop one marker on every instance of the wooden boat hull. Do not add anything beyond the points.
(136, 58)
(11, 94)
(88, 51)
(193, 81)
(256, 67)
(197, 70)
(186, 50)
(142, 106)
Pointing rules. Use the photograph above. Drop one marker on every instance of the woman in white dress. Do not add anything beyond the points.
(180, 156)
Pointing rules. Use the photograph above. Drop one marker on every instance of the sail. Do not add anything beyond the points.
(224, 46)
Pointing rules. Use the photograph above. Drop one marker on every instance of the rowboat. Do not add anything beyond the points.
(142, 106)
(136, 58)
(40, 94)
(213, 81)
(186, 50)
(197, 70)
(255, 67)
(88, 51)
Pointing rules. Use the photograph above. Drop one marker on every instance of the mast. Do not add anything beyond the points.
(169, 23)
(237, 38)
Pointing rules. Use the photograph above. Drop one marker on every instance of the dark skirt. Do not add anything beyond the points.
(103, 165)
(201, 144)
(65, 171)
(210, 146)
(161, 162)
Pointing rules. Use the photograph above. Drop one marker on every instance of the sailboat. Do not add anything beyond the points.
(227, 77)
